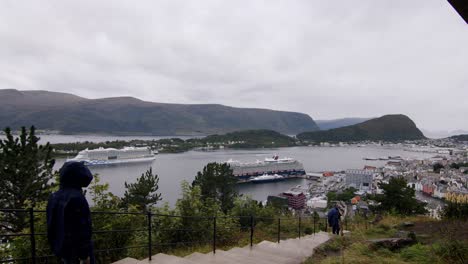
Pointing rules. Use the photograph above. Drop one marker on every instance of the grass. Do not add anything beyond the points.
(434, 248)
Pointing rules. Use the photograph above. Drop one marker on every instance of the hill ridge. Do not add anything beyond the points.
(387, 128)
(71, 114)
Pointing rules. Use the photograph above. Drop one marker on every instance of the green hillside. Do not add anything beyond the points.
(252, 139)
(386, 128)
(460, 138)
(71, 114)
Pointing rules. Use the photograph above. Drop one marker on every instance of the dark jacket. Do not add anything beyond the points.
(68, 215)
(334, 216)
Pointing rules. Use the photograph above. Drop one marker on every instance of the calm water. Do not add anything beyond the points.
(174, 168)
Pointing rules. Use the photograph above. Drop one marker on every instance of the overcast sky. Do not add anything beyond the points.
(329, 59)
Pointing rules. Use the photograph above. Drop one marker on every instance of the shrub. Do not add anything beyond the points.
(418, 253)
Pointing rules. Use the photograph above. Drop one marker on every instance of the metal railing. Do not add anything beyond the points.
(273, 229)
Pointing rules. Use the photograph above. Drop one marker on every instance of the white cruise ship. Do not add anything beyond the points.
(109, 156)
(282, 166)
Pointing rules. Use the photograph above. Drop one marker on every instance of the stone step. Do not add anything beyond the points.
(241, 258)
(169, 259)
(196, 256)
(288, 251)
(269, 257)
(221, 256)
(295, 249)
(128, 261)
(274, 249)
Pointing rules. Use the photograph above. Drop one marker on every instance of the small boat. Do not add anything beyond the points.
(267, 178)
(370, 158)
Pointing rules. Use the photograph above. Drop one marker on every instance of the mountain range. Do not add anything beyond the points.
(386, 128)
(72, 114)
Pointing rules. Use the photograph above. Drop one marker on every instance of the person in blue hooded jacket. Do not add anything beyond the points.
(69, 227)
(334, 219)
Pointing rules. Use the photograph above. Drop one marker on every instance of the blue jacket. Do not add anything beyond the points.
(69, 226)
(333, 217)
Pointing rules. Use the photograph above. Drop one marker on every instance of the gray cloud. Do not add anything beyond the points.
(329, 59)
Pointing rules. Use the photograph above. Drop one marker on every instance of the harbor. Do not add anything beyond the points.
(172, 169)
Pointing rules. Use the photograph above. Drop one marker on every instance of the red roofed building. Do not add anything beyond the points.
(428, 189)
(296, 200)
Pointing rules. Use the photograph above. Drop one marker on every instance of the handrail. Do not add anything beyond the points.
(162, 215)
(249, 230)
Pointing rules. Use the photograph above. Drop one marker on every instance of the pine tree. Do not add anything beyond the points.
(217, 182)
(399, 198)
(143, 193)
(26, 171)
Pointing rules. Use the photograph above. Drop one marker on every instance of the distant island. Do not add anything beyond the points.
(71, 114)
(253, 139)
(460, 138)
(247, 139)
(385, 128)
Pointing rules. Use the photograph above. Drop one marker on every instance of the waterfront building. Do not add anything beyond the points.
(296, 200)
(428, 188)
(360, 179)
(317, 203)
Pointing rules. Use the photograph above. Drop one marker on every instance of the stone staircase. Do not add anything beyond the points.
(287, 251)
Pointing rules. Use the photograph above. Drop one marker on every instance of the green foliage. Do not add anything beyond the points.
(25, 175)
(245, 207)
(197, 221)
(217, 183)
(100, 195)
(459, 165)
(143, 193)
(417, 253)
(104, 200)
(399, 198)
(455, 210)
(253, 139)
(345, 195)
(452, 250)
(437, 167)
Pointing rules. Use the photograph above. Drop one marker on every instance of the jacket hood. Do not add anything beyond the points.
(75, 174)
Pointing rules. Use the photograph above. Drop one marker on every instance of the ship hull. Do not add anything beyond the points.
(114, 162)
(268, 180)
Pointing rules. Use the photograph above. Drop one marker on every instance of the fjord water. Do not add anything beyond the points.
(174, 168)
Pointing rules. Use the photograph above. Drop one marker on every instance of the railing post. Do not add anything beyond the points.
(314, 224)
(326, 225)
(32, 235)
(150, 243)
(251, 230)
(299, 227)
(279, 229)
(214, 235)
